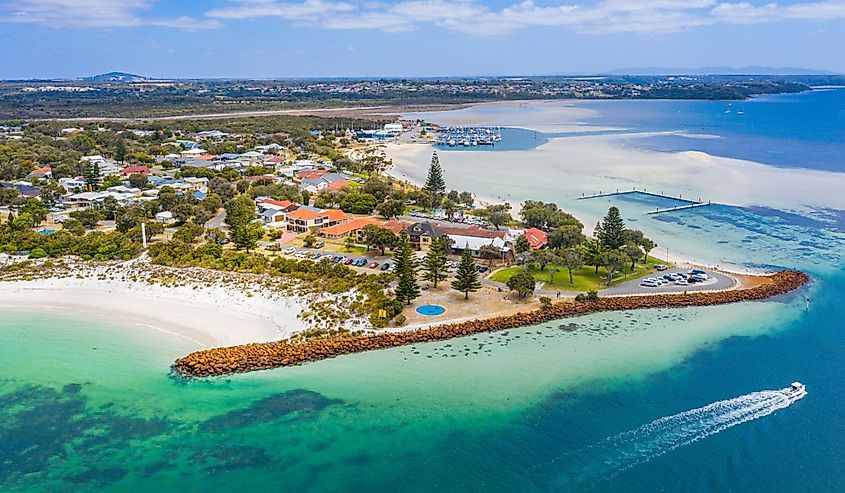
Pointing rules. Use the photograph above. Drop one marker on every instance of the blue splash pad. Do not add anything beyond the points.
(430, 310)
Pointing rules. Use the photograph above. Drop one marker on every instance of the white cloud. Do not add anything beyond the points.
(93, 14)
(746, 13)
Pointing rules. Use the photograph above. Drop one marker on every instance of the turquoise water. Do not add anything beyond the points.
(88, 405)
(431, 310)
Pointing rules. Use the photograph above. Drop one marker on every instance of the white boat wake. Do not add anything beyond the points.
(613, 455)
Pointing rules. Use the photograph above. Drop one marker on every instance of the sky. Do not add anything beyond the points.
(410, 38)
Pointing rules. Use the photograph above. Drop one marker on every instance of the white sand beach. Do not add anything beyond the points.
(207, 315)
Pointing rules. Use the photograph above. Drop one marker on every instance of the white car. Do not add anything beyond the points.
(290, 250)
(649, 283)
(681, 282)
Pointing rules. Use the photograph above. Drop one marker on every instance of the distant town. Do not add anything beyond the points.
(127, 95)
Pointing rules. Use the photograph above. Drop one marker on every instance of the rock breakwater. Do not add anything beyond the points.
(262, 356)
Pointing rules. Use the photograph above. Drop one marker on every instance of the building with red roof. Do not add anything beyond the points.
(305, 218)
(354, 228)
(135, 170)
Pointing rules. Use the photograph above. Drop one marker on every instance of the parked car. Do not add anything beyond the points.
(681, 282)
(660, 267)
(374, 265)
(348, 261)
(385, 266)
(649, 283)
(319, 244)
(290, 250)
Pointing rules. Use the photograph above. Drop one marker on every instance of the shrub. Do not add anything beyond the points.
(588, 296)
(545, 302)
(400, 320)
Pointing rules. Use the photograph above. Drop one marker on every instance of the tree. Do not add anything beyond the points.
(435, 185)
(200, 215)
(73, 226)
(216, 236)
(489, 253)
(309, 241)
(8, 196)
(407, 288)
(120, 150)
(647, 245)
(212, 203)
(633, 252)
(358, 203)
(592, 252)
(87, 217)
(571, 259)
(542, 259)
(111, 181)
(137, 180)
(182, 212)
(434, 266)
(349, 243)
(612, 261)
(91, 175)
(391, 208)
(36, 209)
(52, 193)
(522, 245)
(499, 218)
(240, 212)
(221, 187)
(546, 216)
(454, 196)
(126, 218)
(612, 231)
(378, 237)
(466, 279)
(448, 207)
(522, 282)
(247, 236)
(189, 232)
(466, 199)
(306, 197)
(566, 236)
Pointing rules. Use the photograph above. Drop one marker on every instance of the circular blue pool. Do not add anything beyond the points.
(430, 310)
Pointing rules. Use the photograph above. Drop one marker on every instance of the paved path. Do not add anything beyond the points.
(216, 221)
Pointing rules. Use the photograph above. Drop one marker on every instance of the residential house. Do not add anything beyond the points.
(353, 228)
(305, 218)
(134, 170)
(196, 183)
(421, 235)
(44, 173)
(72, 184)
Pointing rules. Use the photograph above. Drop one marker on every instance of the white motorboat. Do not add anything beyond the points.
(795, 391)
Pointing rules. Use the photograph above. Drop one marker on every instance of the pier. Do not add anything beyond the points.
(688, 203)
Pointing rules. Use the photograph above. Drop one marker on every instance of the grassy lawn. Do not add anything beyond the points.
(585, 279)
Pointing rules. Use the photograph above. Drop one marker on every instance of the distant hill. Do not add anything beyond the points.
(751, 70)
(115, 77)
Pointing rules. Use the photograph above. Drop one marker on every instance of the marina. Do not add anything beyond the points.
(469, 136)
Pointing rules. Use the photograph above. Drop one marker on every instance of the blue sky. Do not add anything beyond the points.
(318, 38)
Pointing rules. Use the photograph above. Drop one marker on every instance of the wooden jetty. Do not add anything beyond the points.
(688, 203)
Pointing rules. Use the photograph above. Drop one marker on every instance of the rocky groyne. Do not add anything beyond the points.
(262, 356)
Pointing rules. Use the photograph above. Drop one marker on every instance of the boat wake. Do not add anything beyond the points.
(613, 455)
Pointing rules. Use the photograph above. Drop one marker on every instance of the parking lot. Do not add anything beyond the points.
(360, 262)
(716, 281)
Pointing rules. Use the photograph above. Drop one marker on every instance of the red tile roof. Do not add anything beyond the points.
(312, 175)
(355, 224)
(135, 170)
(335, 215)
(338, 185)
(304, 215)
(536, 238)
(280, 203)
(42, 171)
(395, 225)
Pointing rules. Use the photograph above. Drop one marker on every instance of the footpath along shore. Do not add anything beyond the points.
(262, 356)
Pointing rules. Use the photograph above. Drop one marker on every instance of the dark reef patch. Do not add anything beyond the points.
(293, 404)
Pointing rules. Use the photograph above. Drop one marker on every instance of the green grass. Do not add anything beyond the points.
(584, 279)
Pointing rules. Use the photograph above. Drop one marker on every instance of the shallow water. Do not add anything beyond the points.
(87, 405)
